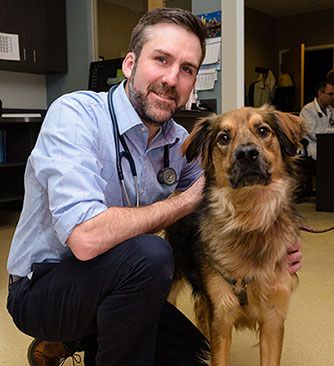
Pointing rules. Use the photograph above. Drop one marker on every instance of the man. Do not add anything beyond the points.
(318, 116)
(330, 80)
(84, 268)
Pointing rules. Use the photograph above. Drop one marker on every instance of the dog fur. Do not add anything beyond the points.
(232, 250)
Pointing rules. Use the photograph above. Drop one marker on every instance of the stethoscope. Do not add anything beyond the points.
(166, 176)
(322, 114)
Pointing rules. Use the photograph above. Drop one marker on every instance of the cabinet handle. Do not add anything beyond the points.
(24, 55)
(34, 55)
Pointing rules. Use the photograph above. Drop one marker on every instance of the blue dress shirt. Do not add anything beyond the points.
(71, 173)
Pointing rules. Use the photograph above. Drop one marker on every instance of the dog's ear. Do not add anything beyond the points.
(197, 144)
(290, 130)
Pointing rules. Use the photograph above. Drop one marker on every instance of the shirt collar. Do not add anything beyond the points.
(128, 118)
(319, 110)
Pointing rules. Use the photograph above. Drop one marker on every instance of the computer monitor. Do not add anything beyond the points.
(104, 74)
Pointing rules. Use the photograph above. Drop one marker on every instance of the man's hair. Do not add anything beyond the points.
(330, 77)
(182, 18)
(320, 88)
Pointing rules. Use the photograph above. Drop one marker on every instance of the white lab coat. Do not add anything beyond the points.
(316, 121)
(264, 89)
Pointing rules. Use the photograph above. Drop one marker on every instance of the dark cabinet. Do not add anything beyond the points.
(41, 26)
(17, 138)
(325, 176)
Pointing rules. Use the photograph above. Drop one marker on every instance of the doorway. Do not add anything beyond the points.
(318, 61)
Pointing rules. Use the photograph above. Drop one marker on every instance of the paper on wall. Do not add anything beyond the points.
(206, 79)
(9, 47)
(212, 51)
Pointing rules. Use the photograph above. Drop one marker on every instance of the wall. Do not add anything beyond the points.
(233, 55)
(20, 90)
(260, 40)
(311, 28)
(79, 22)
(266, 35)
(114, 32)
(200, 7)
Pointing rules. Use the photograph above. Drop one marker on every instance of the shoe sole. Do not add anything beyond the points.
(31, 348)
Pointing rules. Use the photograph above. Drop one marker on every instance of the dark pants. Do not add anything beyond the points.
(114, 304)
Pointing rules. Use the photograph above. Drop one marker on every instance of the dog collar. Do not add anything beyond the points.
(239, 288)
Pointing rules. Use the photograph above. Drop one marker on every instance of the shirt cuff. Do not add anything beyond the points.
(79, 213)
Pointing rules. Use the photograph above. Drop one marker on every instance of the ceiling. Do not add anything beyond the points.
(275, 8)
(281, 8)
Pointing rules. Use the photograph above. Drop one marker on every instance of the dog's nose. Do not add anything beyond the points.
(246, 154)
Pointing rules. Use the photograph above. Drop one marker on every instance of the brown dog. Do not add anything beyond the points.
(232, 250)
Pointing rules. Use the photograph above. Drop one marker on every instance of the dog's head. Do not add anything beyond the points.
(245, 147)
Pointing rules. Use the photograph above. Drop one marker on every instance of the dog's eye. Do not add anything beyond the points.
(263, 131)
(223, 139)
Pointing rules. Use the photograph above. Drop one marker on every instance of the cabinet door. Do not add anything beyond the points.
(32, 19)
(10, 22)
(56, 37)
(41, 26)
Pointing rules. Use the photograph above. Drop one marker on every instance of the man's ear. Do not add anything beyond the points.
(128, 64)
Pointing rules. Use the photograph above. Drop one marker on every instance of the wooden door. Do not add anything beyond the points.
(293, 64)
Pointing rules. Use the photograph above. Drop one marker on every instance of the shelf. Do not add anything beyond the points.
(20, 132)
(12, 165)
(11, 198)
(13, 122)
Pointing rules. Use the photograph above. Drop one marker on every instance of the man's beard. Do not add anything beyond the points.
(147, 111)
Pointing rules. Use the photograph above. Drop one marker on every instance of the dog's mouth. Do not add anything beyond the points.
(250, 179)
(246, 176)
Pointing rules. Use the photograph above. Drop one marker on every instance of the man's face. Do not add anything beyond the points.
(161, 79)
(326, 97)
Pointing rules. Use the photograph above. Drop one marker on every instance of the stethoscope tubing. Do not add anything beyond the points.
(122, 154)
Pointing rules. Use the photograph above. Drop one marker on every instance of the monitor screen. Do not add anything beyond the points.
(104, 74)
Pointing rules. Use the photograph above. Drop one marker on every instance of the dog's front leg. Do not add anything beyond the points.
(220, 339)
(271, 341)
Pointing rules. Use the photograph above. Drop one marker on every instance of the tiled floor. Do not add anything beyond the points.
(309, 336)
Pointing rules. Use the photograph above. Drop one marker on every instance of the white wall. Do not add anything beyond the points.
(20, 90)
(229, 88)
(233, 59)
(80, 50)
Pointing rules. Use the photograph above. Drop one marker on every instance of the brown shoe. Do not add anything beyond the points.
(42, 353)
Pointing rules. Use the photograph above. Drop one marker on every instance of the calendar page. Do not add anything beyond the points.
(9, 47)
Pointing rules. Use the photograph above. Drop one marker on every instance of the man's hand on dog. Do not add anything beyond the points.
(294, 258)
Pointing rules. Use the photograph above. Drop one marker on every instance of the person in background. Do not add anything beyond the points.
(330, 80)
(85, 270)
(318, 116)
(284, 98)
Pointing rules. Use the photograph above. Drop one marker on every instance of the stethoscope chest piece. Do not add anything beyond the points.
(167, 176)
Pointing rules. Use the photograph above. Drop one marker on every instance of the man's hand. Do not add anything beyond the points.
(294, 257)
(194, 194)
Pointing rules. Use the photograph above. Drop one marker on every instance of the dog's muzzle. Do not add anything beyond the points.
(248, 168)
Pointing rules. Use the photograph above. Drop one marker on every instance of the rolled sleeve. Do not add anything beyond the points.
(66, 164)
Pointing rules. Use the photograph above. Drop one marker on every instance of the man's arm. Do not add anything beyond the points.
(117, 224)
(310, 123)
